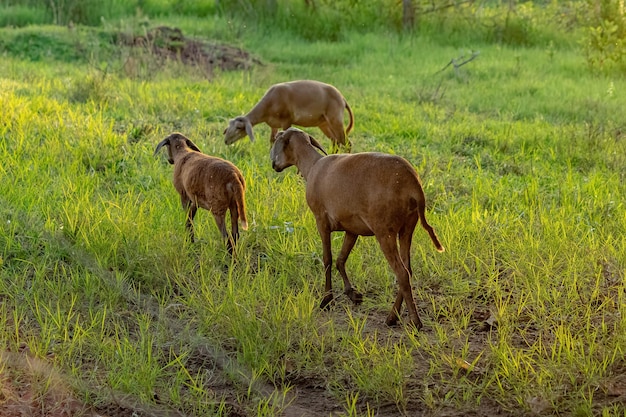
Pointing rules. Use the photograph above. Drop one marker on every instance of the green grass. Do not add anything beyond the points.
(522, 156)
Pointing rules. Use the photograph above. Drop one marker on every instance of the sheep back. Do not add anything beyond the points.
(305, 103)
(211, 182)
(383, 189)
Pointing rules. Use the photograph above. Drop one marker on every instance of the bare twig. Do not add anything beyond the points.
(460, 61)
(438, 8)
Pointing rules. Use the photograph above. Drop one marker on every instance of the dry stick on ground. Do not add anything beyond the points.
(457, 64)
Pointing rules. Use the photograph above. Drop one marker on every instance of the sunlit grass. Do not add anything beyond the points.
(523, 173)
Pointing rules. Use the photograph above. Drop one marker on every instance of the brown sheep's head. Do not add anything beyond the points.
(176, 142)
(283, 154)
(238, 128)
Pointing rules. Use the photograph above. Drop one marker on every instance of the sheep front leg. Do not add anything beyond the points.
(327, 258)
(349, 241)
(392, 318)
(191, 209)
(273, 135)
(191, 213)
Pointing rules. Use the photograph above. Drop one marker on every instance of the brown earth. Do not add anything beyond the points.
(167, 43)
(31, 386)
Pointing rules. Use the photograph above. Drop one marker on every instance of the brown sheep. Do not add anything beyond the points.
(362, 194)
(209, 182)
(304, 103)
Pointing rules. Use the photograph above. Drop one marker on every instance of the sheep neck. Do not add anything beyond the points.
(257, 114)
(305, 164)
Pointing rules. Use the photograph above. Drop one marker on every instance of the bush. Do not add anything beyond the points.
(34, 45)
(63, 12)
(605, 41)
(312, 19)
(518, 23)
(19, 16)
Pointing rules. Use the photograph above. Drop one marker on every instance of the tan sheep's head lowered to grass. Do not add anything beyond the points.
(362, 194)
(209, 182)
(304, 103)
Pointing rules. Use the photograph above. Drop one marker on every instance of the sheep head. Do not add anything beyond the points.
(176, 144)
(238, 128)
(284, 152)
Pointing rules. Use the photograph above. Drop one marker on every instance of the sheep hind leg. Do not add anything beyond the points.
(389, 247)
(337, 135)
(349, 241)
(234, 222)
(405, 236)
(220, 220)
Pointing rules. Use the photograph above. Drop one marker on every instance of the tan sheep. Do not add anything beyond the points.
(305, 103)
(363, 194)
(209, 182)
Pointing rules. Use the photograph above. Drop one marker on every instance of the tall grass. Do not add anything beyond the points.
(521, 153)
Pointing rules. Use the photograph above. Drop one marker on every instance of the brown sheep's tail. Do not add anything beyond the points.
(240, 200)
(431, 232)
(238, 193)
(351, 124)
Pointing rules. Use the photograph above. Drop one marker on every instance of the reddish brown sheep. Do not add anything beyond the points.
(362, 194)
(208, 182)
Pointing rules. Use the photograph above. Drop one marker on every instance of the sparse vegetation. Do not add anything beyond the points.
(105, 307)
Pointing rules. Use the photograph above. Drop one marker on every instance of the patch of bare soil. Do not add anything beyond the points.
(32, 387)
(313, 398)
(169, 43)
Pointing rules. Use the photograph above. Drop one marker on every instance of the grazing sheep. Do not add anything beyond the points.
(208, 182)
(363, 194)
(304, 103)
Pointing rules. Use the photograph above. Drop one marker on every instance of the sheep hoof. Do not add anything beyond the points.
(355, 296)
(392, 320)
(417, 324)
(326, 301)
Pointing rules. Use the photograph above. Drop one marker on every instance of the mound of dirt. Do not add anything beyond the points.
(169, 43)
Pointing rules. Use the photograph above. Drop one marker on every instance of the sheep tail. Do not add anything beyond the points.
(421, 209)
(351, 123)
(240, 202)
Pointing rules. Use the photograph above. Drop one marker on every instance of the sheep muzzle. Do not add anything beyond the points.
(276, 167)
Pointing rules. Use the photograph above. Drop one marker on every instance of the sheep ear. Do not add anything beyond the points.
(249, 130)
(192, 145)
(165, 141)
(316, 144)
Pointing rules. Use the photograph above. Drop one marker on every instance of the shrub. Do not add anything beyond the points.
(605, 42)
(20, 16)
(63, 12)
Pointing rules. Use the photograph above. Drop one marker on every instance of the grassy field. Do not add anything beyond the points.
(106, 308)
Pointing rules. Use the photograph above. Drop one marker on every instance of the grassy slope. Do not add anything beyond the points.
(522, 157)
